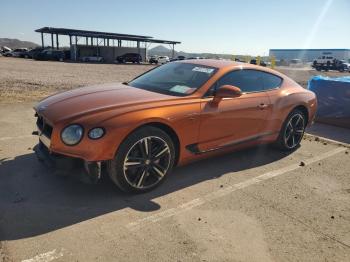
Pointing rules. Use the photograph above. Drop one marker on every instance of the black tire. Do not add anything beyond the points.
(292, 132)
(147, 170)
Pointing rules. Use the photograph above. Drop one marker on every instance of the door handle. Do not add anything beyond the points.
(262, 106)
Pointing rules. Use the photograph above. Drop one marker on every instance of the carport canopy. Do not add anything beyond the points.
(75, 34)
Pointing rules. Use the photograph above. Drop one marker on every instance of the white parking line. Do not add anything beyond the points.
(14, 137)
(225, 191)
(45, 257)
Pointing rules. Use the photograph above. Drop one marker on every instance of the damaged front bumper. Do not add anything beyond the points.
(62, 165)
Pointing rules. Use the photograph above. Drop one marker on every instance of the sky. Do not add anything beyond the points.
(249, 27)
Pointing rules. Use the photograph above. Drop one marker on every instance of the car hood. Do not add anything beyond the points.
(78, 102)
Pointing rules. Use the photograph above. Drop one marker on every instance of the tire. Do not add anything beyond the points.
(151, 164)
(292, 131)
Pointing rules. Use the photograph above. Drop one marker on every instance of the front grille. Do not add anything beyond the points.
(44, 127)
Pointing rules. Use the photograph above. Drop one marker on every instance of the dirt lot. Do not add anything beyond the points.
(256, 205)
(27, 80)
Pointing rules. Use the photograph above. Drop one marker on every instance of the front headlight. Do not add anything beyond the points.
(71, 135)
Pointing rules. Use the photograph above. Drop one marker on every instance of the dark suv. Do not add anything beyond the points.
(50, 54)
(129, 57)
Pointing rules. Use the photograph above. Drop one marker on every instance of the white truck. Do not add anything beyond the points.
(329, 63)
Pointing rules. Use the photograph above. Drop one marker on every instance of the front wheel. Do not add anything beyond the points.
(143, 160)
(292, 131)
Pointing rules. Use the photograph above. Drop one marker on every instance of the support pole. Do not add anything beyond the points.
(97, 47)
(51, 40)
(76, 49)
(70, 41)
(57, 44)
(87, 42)
(173, 53)
(92, 41)
(42, 40)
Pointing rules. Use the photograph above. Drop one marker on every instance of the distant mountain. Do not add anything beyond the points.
(15, 43)
(163, 51)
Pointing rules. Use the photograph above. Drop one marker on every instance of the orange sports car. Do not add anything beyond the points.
(175, 113)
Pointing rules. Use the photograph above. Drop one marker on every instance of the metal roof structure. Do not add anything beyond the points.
(311, 49)
(103, 35)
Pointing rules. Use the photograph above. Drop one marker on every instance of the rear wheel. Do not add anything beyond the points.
(143, 160)
(292, 131)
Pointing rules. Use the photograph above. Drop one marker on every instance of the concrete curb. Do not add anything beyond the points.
(325, 140)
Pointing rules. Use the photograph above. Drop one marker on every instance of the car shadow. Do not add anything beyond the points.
(33, 201)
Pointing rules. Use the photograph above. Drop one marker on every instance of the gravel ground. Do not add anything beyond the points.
(27, 80)
(302, 75)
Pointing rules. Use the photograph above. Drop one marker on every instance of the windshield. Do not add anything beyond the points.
(178, 79)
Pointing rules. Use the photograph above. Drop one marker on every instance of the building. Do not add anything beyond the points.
(85, 43)
(309, 55)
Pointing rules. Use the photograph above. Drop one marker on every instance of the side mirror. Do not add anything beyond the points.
(226, 91)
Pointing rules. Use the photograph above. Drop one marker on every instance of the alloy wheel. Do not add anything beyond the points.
(147, 162)
(294, 131)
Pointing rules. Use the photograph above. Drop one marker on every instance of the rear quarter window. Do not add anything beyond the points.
(271, 81)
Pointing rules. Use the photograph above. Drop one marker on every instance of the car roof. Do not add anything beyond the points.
(229, 64)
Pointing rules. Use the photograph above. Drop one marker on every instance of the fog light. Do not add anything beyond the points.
(96, 133)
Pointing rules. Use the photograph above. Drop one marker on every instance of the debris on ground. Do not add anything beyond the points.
(18, 198)
(302, 163)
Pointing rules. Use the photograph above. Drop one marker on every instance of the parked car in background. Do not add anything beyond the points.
(4, 50)
(180, 57)
(254, 62)
(129, 58)
(153, 59)
(98, 59)
(31, 53)
(163, 59)
(329, 63)
(296, 63)
(51, 54)
(346, 66)
(176, 113)
(19, 52)
(323, 61)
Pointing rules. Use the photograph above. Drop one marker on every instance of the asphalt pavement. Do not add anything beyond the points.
(255, 205)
